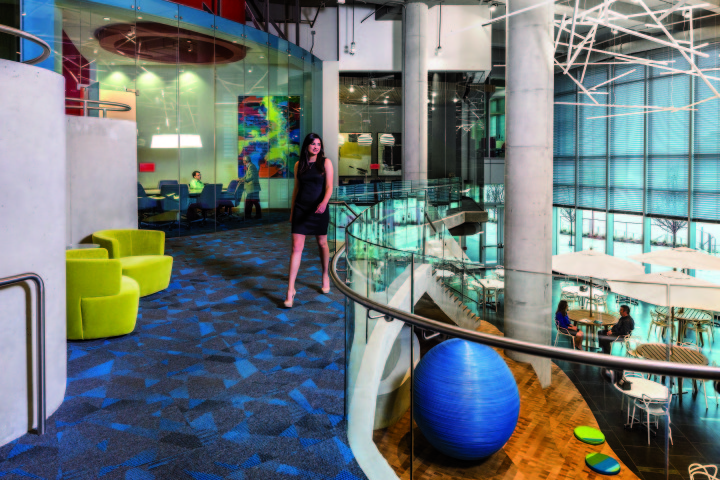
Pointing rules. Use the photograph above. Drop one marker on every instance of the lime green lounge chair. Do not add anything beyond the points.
(141, 254)
(101, 302)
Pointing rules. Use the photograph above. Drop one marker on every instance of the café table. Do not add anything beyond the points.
(642, 386)
(659, 351)
(598, 319)
(488, 285)
(683, 316)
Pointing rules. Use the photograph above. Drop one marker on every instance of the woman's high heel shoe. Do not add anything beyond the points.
(290, 303)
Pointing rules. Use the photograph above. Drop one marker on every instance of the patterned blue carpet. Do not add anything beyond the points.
(217, 380)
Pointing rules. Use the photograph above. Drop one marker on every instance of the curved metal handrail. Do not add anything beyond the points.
(40, 397)
(558, 353)
(27, 36)
(124, 107)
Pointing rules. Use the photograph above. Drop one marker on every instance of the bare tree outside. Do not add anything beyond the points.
(671, 227)
(568, 214)
(494, 194)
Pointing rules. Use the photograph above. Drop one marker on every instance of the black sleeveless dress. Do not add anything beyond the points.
(310, 193)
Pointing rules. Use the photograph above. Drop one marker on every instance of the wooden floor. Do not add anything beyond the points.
(542, 447)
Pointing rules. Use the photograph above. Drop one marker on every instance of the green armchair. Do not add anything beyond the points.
(141, 254)
(101, 302)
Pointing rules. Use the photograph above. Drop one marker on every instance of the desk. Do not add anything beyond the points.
(583, 318)
(640, 386)
(659, 351)
(684, 316)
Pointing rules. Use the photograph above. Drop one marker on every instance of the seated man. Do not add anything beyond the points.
(196, 185)
(623, 327)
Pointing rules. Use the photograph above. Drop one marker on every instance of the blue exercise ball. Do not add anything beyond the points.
(466, 401)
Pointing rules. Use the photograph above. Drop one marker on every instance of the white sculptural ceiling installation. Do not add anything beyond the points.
(580, 47)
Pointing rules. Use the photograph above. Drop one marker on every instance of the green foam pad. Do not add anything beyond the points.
(602, 464)
(590, 435)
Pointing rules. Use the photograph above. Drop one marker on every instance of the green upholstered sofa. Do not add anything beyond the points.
(141, 253)
(101, 302)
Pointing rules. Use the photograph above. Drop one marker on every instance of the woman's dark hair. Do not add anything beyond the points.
(562, 306)
(304, 165)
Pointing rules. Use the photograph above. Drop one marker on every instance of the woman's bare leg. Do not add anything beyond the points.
(324, 259)
(579, 340)
(298, 242)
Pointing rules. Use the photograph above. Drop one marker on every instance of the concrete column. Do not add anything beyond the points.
(415, 92)
(528, 180)
(331, 113)
(32, 99)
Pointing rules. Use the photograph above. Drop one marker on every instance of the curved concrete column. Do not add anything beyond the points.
(528, 179)
(32, 208)
(415, 92)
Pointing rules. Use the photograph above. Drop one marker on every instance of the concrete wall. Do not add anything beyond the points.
(465, 45)
(102, 176)
(32, 209)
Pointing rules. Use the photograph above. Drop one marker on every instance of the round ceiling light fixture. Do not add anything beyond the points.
(387, 139)
(365, 139)
(162, 43)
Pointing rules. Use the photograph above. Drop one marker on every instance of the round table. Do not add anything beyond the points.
(642, 386)
(659, 351)
(575, 290)
(684, 315)
(487, 285)
(78, 246)
(583, 318)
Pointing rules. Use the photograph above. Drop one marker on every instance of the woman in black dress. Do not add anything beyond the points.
(309, 212)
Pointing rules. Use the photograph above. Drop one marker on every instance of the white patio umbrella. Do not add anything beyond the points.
(680, 257)
(670, 289)
(592, 263)
(596, 265)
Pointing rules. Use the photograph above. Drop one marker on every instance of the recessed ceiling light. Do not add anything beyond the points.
(261, 56)
(106, 18)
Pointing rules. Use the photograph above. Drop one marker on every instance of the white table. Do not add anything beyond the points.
(446, 274)
(642, 386)
(575, 290)
(488, 285)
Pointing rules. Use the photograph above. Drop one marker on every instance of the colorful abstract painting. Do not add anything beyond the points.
(269, 133)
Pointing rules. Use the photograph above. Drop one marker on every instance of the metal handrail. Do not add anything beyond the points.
(27, 36)
(40, 398)
(558, 353)
(124, 107)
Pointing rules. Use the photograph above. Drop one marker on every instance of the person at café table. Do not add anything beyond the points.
(563, 322)
(623, 327)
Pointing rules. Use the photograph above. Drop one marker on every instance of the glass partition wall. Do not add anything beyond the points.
(206, 93)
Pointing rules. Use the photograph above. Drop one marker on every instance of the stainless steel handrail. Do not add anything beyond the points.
(40, 341)
(84, 107)
(27, 36)
(558, 353)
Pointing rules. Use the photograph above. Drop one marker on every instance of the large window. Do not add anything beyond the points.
(627, 235)
(205, 92)
(613, 160)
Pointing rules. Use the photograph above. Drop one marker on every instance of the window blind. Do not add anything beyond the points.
(564, 128)
(668, 139)
(627, 141)
(706, 143)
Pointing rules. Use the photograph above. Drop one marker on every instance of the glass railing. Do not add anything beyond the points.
(495, 388)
